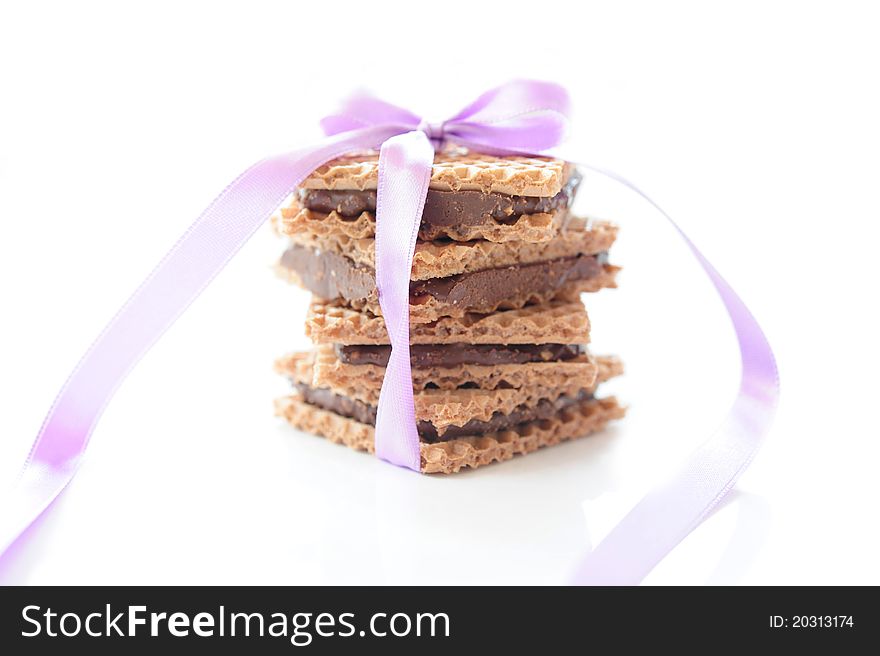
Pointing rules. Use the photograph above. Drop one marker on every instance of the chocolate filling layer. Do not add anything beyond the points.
(449, 355)
(331, 275)
(485, 289)
(366, 414)
(447, 208)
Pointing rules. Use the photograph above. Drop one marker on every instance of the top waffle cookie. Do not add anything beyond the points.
(454, 171)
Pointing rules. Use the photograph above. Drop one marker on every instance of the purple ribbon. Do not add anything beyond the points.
(522, 117)
(667, 514)
(405, 163)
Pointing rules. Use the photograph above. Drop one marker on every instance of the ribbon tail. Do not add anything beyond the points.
(670, 512)
(405, 163)
(198, 256)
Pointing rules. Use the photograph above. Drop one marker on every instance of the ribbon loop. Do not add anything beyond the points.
(434, 131)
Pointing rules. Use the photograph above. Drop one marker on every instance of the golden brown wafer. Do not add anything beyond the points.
(304, 367)
(536, 228)
(557, 322)
(453, 170)
(329, 372)
(448, 457)
(452, 406)
(442, 259)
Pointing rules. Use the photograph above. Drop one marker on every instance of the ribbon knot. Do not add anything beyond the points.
(434, 131)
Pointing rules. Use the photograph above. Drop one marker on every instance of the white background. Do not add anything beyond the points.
(754, 124)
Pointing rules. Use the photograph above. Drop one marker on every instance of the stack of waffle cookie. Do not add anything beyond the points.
(498, 330)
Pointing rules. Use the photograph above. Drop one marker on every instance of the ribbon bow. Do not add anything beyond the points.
(522, 117)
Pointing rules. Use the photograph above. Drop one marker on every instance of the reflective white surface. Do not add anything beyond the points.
(190, 479)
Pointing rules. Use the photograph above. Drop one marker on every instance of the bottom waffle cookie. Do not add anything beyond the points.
(447, 413)
(323, 368)
(448, 457)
